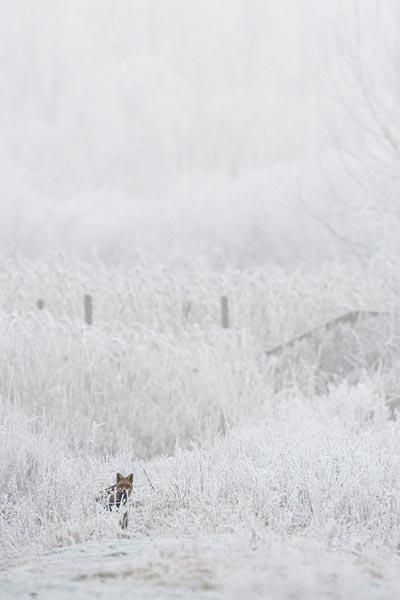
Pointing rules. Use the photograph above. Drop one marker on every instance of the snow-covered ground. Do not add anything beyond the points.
(216, 569)
(123, 568)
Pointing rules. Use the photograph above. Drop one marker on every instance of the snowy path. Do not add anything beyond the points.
(178, 569)
(110, 570)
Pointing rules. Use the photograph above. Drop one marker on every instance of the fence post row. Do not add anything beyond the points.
(88, 309)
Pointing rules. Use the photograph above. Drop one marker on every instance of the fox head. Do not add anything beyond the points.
(124, 484)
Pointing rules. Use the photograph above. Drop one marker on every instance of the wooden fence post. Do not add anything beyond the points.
(88, 307)
(224, 312)
(187, 307)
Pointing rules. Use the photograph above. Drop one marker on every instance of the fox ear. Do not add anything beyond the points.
(130, 477)
(119, 477)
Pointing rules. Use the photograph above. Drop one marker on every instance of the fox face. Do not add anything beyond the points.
(124, 484)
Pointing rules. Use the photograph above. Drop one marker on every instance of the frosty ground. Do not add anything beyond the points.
(212, 569)
(255, 476)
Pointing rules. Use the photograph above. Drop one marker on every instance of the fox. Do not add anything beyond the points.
(116, 496)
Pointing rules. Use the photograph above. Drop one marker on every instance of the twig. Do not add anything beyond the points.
(148, 478)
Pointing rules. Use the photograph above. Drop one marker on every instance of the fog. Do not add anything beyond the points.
(171, 127)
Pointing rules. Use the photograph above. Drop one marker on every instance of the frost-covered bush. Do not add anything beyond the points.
(232, 443)
(326, 469)
(111, 387)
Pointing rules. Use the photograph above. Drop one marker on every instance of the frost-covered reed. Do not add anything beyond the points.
(229, 445)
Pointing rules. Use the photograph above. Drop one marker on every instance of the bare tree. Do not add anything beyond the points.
(363, 179)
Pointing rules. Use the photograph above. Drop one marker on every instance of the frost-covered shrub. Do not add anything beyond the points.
(234, 440)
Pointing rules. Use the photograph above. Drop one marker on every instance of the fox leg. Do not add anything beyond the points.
(124, 520)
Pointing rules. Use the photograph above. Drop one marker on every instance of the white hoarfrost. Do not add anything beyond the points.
(255, 476)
